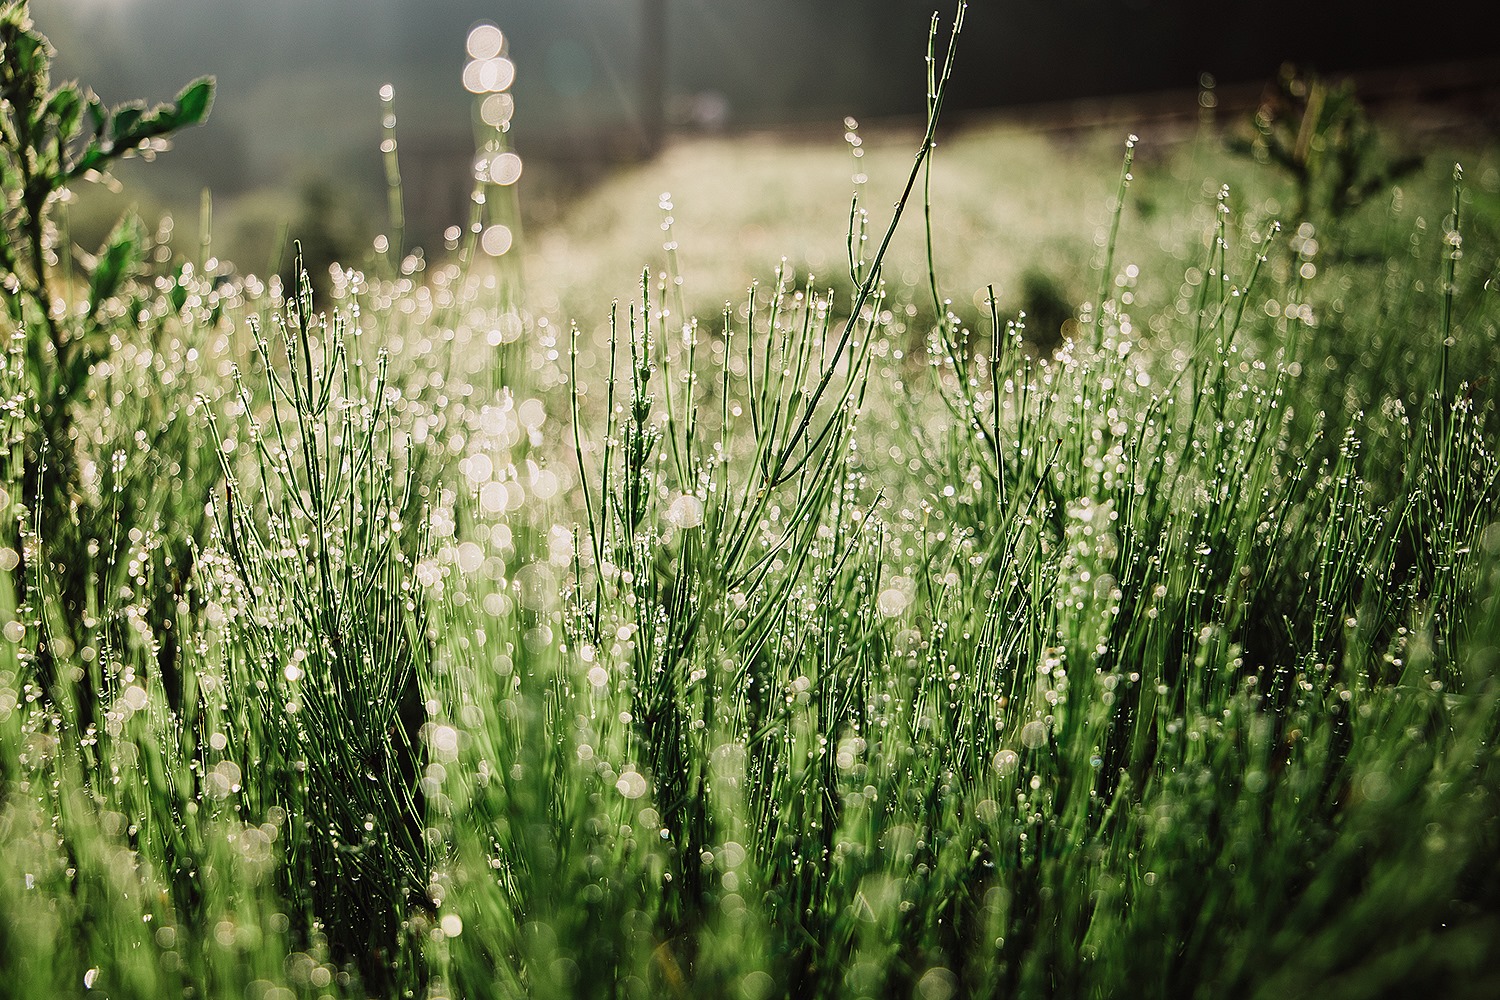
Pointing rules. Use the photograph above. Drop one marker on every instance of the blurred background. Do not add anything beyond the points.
(600, 85)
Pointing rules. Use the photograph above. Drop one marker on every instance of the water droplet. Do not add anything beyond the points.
(632, 784)
(496, 240)
(685, 512)
(505, 169)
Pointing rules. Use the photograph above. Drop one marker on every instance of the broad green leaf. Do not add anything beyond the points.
(28, 55)
(195, 101)
(123, 126)
(98, 117)
(94, 157)
(178, 293)
(119, 258)
(157, 121)
(66, 110)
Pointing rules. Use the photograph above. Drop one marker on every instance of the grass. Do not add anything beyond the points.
(818, 646)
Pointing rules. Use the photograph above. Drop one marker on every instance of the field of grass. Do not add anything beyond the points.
(844, 641)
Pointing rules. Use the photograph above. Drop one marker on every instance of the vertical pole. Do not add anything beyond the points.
(653, 73)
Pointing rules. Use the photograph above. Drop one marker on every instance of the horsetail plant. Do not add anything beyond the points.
(314, 569)
(845, 655)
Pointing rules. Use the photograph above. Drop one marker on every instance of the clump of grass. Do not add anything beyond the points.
(808, 660)
(312, 575)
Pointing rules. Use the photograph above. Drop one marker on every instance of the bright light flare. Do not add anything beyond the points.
(496, 110)
(505, 168)
(496, 240)
(484, 42)
(486, 76)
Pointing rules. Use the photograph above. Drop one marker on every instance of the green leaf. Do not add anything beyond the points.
(121, 255)
(94, 157)
(98, 117)
(66, 110)
(126, 123)
(132, 126)
(29, 54)
(178, 293)
(195, 102)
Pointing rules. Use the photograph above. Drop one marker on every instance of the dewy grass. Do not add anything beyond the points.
(816, 656)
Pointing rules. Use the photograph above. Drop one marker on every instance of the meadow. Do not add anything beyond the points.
(545, 626)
